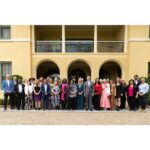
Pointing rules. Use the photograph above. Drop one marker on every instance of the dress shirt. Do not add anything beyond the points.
(89, 83)
(20, 88)
(45, 87)
(143, 88)
(136, 81)
(8, 82)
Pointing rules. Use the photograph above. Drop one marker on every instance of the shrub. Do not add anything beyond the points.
(17, 76)
(147, 80)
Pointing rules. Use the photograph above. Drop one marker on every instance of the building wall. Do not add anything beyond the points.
(25, 61)
(138, 50)
(139, 56)
(94, 61)
(18, 51)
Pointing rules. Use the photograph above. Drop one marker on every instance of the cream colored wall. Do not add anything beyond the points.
(95, 62)
(18, 51)
(20, 31)
(139, 56)
(19, 54)
(135, 61)
(139, 50)
(139, 31)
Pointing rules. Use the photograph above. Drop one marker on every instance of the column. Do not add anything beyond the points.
(126, 39)
(33, 38)
(95, 38)
(63, 38)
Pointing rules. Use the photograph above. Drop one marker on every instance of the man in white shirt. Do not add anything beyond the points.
(143, 90)
(19, 89)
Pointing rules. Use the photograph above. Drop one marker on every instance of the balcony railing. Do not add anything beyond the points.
(48, 46)
(110, 46)
(79, 46)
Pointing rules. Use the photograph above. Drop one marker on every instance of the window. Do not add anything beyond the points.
(5, 68)
(4, 32)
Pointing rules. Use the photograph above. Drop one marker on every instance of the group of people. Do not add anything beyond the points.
(48, 93)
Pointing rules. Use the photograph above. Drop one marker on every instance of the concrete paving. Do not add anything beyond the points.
(60, 117)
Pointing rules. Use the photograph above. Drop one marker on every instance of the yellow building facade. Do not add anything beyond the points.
(104, 51)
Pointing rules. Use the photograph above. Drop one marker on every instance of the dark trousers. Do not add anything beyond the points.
(20, 101)
(96, 102)
(80, 102)
(143, 101)
(88, 99)
(6, 95)
(73, 102)
(63, 104)
(45, 99)
(123, 102)
(131, 102)
(13, 103)
(137, 103)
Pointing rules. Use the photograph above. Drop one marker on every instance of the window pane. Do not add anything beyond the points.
(5, 32)
(5, 69)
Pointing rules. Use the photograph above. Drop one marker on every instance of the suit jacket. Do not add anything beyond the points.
(43, 89)
(134, 91)
(16, 89)
(6, 88)
(137, 84)
(79, 89)
(88, 89)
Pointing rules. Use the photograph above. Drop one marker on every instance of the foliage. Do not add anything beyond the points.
(147, 80)
(17, 76)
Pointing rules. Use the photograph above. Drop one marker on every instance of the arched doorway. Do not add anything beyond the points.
(110, 70)
(79, 69)
(47, 68)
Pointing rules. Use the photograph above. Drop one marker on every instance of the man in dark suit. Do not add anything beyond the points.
(45, 89)
(88, 92)
(8, 87)
(137, 82)
(19, 89)
(14, 98)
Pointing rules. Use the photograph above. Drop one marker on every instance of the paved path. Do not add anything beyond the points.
(60, 117)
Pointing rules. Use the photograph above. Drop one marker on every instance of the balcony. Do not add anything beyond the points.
(110, 46)
(48, 46)
(79, 46)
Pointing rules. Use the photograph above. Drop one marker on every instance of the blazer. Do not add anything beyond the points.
(88, 89)
(134, 91)
(43, 89)
(72, 88)
(16, 89)
(6, 88)
(79, 88)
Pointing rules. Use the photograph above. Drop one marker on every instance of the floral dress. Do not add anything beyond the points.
(55, 97)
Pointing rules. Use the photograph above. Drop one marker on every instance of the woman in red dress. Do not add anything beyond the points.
(97, 94)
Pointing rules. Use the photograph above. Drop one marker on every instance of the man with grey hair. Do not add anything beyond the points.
(88, 92)
(8, 87)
